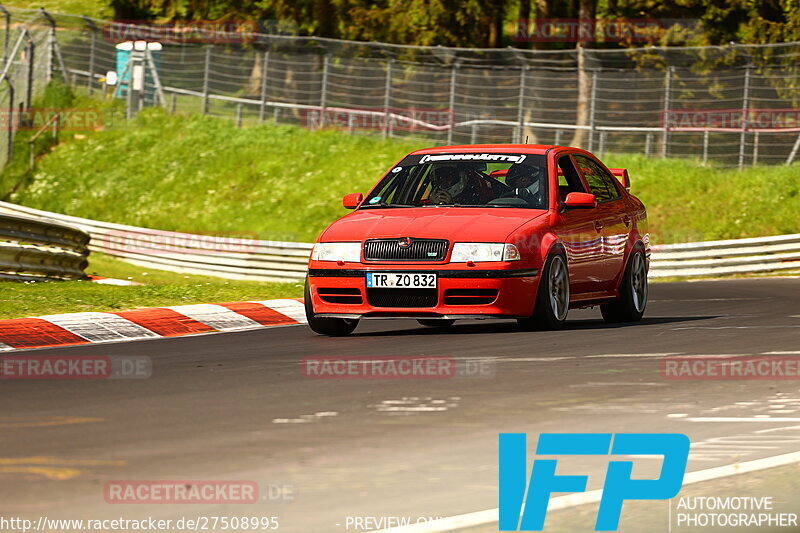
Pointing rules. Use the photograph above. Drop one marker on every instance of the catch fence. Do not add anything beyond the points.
(735, 105)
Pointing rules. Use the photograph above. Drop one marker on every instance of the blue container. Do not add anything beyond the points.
(124, 51)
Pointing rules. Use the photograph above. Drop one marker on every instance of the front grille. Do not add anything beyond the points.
(402, 297)
(340, 295)
(419, 250)
(469, 296)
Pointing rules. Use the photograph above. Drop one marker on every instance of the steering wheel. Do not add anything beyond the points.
(522, 193)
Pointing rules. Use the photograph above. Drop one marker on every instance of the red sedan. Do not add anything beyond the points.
(484, 231)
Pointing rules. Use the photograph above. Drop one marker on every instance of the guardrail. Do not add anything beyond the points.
(36, 249)
(719, 258)
(232, 258)
(250, 259)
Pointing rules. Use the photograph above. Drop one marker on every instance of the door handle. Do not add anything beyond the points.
(626, 220)
(598, 225)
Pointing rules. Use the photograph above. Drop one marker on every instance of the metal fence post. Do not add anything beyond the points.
(452, 102)
(705, 147)
(206, 77)
(795, 148)
(10, 130)
(755, 148)
(667, 103)
(31, 56)
(592, 108)
(745, 111)
(7, 16)
(648, 142)
(53, 50)
(92, 51)
(50, 45)
(521, 104)
(264, 78)
(323, 96)
(557, 140)
(387, 100)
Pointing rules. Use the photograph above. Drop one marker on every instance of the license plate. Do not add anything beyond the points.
(392, 280)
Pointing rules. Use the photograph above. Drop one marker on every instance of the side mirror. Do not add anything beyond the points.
(580, 200)
(352, 200)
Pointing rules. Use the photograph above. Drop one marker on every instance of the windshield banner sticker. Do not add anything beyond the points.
(510, 158)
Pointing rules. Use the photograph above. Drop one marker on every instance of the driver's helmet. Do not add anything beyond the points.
(523, 176)
(449, 179)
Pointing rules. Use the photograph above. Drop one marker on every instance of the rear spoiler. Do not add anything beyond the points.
(622, 175)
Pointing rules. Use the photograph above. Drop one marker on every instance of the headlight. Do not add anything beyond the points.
(337, 251)
(483, 251)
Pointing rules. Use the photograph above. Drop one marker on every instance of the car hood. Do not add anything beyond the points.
(451, 223)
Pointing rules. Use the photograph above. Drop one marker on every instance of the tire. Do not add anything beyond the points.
(552, 300)
(633, 292)
(332, 327)
(436, 322)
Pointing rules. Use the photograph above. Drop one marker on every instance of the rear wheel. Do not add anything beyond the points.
(333, 327)
(436, 322)
(632, 293)
(552, 300)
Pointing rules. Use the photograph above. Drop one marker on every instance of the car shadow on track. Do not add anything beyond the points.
(497, 326)
(648, 321)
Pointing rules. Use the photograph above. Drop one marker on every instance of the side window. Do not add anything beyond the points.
(600, 183)
(568, 178)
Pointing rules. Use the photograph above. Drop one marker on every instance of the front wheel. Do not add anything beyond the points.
(333, 327)
(552, 299)
(632, 293)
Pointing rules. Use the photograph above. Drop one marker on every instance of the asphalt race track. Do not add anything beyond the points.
(236, 406)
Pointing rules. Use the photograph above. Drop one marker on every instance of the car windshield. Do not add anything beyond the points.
(464, 180)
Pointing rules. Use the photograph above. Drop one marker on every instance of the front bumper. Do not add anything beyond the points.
(460, 293)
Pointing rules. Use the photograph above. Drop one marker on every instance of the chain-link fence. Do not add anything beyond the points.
(734, 105)
(27, 64)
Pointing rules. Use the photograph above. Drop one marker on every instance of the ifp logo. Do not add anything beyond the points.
(618, 485)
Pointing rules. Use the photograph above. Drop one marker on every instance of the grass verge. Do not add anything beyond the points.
(200, 174)
(203, 175)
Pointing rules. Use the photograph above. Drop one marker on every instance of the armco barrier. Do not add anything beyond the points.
(251, 259)
(718, 258)
(232, 258)
(37, 249)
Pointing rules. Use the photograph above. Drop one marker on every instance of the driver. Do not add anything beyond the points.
(524, 182)
(450, 186)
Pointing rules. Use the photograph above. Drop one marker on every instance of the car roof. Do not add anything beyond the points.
(540, 149)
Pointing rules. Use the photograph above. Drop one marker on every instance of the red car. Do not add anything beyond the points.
(507, 231)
